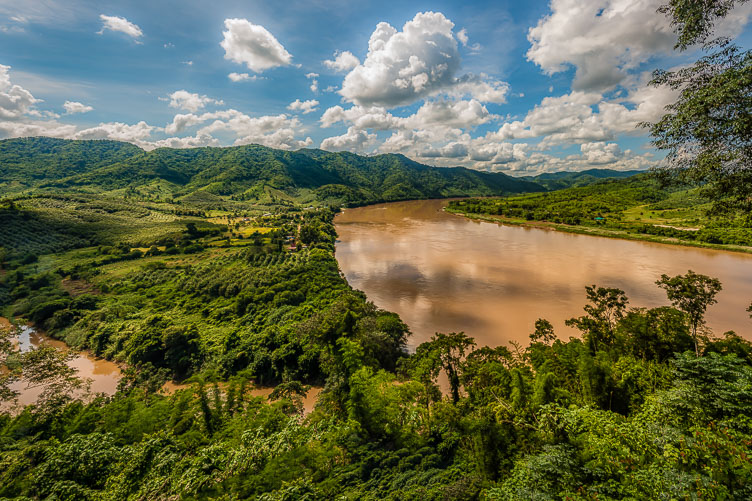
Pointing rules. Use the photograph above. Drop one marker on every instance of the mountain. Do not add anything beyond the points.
(239, 172)
(28, 162)
(561, 180)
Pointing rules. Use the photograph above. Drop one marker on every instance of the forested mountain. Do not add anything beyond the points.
(29, 162)
(241, 173)
(561, 180)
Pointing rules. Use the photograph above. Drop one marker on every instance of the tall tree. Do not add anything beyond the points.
(707, 132)
(691, 293)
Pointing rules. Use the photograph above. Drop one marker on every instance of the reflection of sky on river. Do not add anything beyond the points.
(445, 273)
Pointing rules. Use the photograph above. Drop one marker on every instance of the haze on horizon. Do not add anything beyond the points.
(547, 86)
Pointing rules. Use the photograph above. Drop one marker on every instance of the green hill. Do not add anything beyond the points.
(250, 172)
(561, 180)
(29, 162)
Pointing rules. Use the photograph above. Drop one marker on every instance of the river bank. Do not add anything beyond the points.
(598, 232)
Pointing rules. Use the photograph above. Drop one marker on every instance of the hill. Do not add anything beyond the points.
(561, 180)
(249, 172)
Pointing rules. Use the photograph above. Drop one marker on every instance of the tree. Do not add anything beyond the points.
(691, 293)
(544, 332)
(448, 350)
(708, 130)
(606, 308)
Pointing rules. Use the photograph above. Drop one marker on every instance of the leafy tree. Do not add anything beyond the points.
(544, 332)
(693, 20)
(708, 130)
(691, 293)
(606, 308)
(447, 350)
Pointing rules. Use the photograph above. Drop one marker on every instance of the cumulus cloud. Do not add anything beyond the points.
(420, 61)
(276, 131)
(242, 77)
(462, 36)
(120, 24)
(481, 87)
(353, 140)
(190, 101)
(197, 141)
(601, 153)
(15, 101)
(136, 133)
(441, 113)
(303, 106)
(72, 107)
(601, 39)
(343, 61)
(253, 45)
(587, 117)
(403, 66)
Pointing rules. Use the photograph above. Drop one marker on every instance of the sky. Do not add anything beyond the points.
(506, 86)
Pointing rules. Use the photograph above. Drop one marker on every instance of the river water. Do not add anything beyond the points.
(443, 273)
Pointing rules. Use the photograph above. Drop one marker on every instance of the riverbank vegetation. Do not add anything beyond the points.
(638, 207)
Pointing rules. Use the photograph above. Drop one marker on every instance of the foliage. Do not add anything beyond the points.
(637, 206)
(707, 130)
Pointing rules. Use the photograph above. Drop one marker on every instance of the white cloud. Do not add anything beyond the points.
(403, 66)
(253, 45)
(587, 117)
(481, 87)
(15, 101)
(27, 128)
(420, 61)
(343, 61)
(304, 106)
(432, 114)
(243, 77)
(601, 153)
(197, 141)
(136, 133)
(353, 140)
(189, 101)
(276, 131)
(72, 107)
(602, 39)
(121, 24)
(314, 78)
(462, 36)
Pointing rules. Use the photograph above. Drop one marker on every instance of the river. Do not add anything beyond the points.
(442, 272)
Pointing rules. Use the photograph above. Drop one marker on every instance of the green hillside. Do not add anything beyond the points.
(30, 162)
(250, 172)
(561, 180)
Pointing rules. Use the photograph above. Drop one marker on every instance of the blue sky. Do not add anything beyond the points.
(515, 87)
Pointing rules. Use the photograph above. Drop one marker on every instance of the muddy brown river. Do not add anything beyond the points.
(442, 272)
